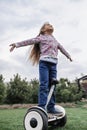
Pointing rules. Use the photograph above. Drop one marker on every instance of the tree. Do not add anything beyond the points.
(67, 91)
(2, 89)
(34, 90)
(17, 90)
(21, 91)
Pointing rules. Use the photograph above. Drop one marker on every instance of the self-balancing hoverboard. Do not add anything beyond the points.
(37, 118)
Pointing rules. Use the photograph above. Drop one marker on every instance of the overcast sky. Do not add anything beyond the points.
(22, 19)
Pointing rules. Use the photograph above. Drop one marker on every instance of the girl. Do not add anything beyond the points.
(44, 51)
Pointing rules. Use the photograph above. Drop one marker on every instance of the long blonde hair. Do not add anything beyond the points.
(35, 50)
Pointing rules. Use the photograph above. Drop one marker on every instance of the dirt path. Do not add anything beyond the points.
(15, 106)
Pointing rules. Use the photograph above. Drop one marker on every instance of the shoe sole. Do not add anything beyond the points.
(50, 115)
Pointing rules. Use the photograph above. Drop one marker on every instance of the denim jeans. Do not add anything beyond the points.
(47, 71)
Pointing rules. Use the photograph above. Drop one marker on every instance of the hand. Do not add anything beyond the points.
(70, 59)
(12, 47)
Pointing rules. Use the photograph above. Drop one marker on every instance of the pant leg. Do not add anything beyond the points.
(44, 83)
(52, 74)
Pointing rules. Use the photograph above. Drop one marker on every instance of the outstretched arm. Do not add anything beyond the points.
(60, 47)
(25, 43)
(12, 47)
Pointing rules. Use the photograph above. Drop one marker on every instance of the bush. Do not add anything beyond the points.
(21, 91)
(67, 92)
(34, 90)
(2, 89)
(17, 90)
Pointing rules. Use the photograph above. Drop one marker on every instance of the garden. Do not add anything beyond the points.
(17, 95)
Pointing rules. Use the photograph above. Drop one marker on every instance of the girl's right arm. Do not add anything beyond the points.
(25, 43)
(12, 47)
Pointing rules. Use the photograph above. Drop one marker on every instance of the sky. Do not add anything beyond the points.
(22, 19)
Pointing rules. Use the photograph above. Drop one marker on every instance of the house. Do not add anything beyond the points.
(82, 83)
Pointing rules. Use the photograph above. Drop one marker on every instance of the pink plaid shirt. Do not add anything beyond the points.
(48, 46)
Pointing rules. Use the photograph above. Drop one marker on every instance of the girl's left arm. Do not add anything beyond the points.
(60, 47)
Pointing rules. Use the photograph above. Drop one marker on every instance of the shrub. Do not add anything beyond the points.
(17, 90)
(67, 92)
(2, 89)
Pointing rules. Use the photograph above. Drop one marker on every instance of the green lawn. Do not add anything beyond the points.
(12, 119)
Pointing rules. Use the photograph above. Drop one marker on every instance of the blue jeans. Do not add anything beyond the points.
(47, 71)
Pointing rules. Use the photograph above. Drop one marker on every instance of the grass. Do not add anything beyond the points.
(12, 119)
(77, 119)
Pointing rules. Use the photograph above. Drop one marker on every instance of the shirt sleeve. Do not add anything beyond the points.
(61, 48)
(35, 40)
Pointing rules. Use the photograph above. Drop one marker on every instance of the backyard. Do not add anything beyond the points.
(12, 119)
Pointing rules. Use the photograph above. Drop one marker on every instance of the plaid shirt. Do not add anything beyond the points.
(48, 45)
